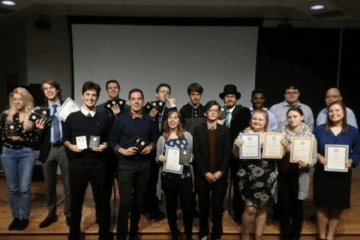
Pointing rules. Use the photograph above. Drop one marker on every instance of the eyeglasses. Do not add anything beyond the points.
(292, 93)
(213, 111)
(165, 92)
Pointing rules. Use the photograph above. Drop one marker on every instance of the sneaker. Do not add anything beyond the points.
(14, 224)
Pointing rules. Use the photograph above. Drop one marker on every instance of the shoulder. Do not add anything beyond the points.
(305, 107)
(185, 107)
(187, 134)
(74, 115)
(349, 111)
(353, 130)
(276, 107)
(319, 129)
(201, 127)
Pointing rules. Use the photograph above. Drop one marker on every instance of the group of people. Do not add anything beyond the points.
(211, 134)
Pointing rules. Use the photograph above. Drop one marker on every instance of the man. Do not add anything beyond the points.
(237, 119)
(212, 148)
(152, 210)
(113, 91)
(52, 154)
(333, 95)
(193, 113)
(258, 101)
(133, 167)
(292, 94)
(88, 164)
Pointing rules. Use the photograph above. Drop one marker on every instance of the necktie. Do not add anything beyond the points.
(88, 115)
(227, 121)
(55, 125)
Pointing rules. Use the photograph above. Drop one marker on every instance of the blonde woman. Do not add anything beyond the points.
(18, 157)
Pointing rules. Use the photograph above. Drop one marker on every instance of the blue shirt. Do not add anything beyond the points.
(280, 110)
(350, 117)
(60, 125)
(273, 124)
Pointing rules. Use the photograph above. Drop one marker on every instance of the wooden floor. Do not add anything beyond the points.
(349, 228)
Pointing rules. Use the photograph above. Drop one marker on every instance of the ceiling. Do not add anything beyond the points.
(335, 10)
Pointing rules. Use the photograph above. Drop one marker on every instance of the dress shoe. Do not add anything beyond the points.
(68, 221)
(47, 222)
(156, 216)
(23, 224)
(14, 224)
(134, 237)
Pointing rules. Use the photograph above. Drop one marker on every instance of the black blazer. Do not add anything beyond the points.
(201, 149)
(45, 139)
(239, 121)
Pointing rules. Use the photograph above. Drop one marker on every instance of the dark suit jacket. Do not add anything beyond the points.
(239, 121)
(45, 139)
(201, 149)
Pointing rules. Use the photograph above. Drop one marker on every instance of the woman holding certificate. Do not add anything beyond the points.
(294, 173)
(339, 150)
(18, 134)
(257, 177)
(174, 146)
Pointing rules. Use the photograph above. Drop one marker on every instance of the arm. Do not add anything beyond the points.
(227, 145)
(200, 161)
(160, 150)
(314, 153)
(310, 119)
(189, 139)
(351, 119)
(355, 146)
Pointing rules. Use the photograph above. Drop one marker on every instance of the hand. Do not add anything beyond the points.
(349, 163)
(40, 124)
(321, 158)
(115, 109)
(153, 112)
(147, 150)
(171, 101)
(100, 148)
(129, 151)
(15, 138)
(189, 163)
(239, 142)
(162, 158)
(302, 164)
(209, 177)
(74, 148)
(217, 175)
(284, 142)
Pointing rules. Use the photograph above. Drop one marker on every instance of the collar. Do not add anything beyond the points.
(194, 106)
(86, 112)
(135, 115)
(286, 104)
(231, 109)
(57, 103)
(252, 109)
(214, 125)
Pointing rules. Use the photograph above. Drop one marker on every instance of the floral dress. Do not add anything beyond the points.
(257, 180)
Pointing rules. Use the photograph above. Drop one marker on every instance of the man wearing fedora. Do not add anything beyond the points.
(237, 119)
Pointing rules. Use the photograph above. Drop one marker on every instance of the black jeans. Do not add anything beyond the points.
(132, 179)
(214, 192)
(182, 188)
(81, 173)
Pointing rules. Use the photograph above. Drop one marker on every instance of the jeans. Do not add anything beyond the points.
(18, 165)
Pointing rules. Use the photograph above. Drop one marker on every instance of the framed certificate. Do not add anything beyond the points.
(69, 106)
(272, 147)
(251, 148)
(301, 149)
(172, 161)
(336, 157)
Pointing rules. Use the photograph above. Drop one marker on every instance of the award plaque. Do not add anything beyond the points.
(301, 149)
(94, 141)
(11, 130)
(222, 114)
(336, 157)
(140, 143)
(172, 161)
(81, 142)
(120, 102)
(160, 105)
(40, 113)
(185, 155)
(272, 147)
(251, 148)
(148, 107)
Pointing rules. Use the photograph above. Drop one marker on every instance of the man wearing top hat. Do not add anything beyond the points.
(237, 119)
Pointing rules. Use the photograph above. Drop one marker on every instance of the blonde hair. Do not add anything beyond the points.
(28, 106)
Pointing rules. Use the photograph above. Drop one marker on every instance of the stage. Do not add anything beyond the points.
(349, 228)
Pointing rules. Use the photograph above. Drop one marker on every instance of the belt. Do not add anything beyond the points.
(8, 145)
(57, 144)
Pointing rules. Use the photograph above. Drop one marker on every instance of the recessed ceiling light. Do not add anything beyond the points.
(317, 7)
(8, 3)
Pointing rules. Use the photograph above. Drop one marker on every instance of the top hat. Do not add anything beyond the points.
(230, 89)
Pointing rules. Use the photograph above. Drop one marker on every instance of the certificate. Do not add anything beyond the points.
(272, 146)
(336, 157)
(251, 147)
(172, 161)
(81, 142)
(301, 149)
(69, 106)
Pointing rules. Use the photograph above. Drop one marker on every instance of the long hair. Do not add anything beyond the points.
(28, 106)
(344, 125)
(180, 129)
(265, 114)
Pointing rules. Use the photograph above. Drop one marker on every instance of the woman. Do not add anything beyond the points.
(18, 158)
(175, 185)
(257, 180)
(332, 189)
(294, 178)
